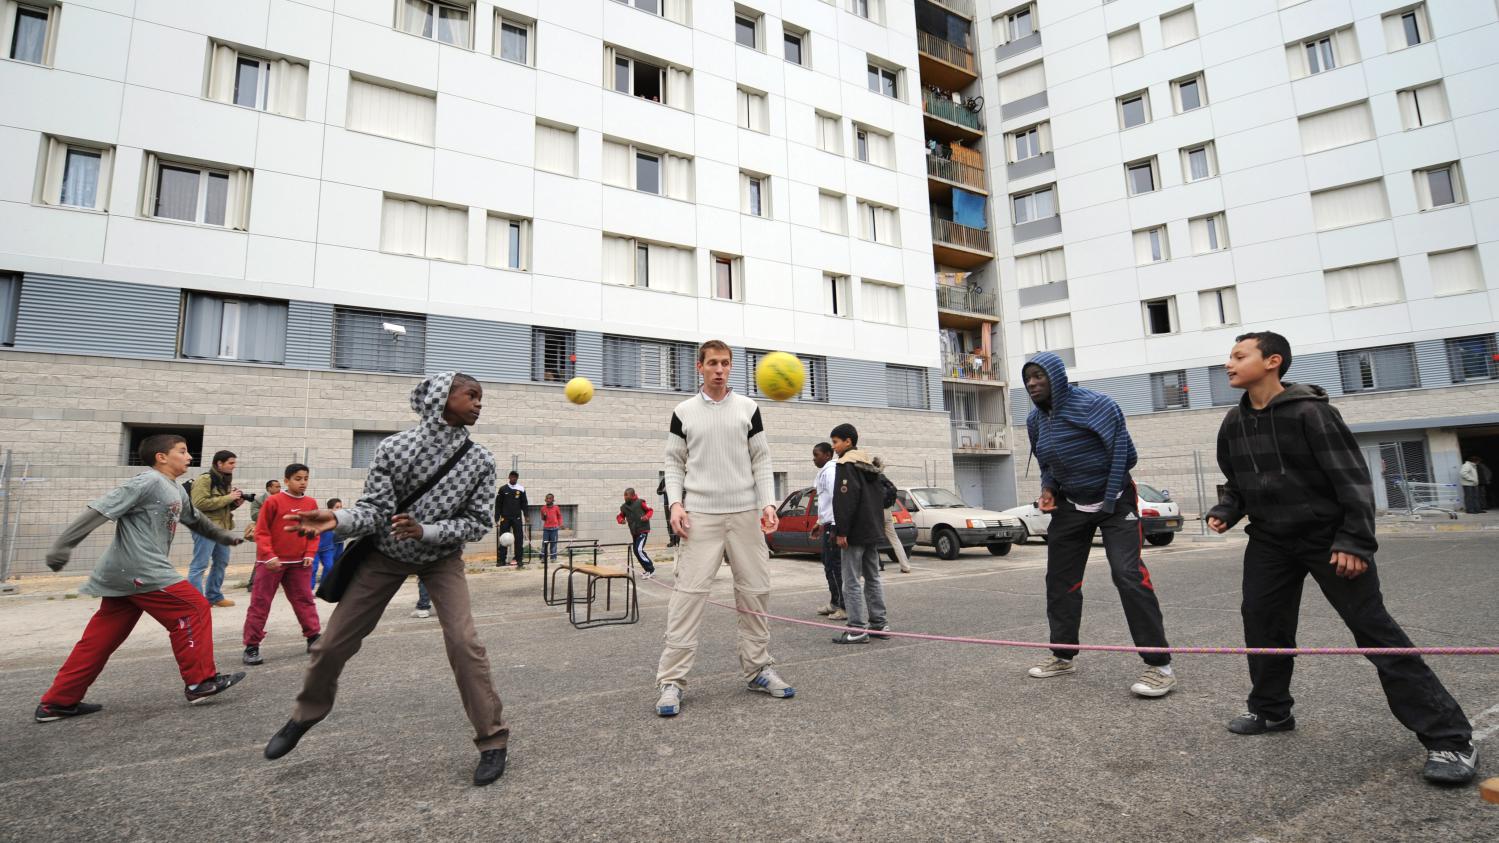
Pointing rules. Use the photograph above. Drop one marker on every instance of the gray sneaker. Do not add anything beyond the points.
(767, 681)
(1052, 667)
(1451, 766)
(669, 704)
(1153, 683)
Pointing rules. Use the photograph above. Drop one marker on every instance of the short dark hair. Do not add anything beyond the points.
(629, 490)
(269, 483)
(713, 345)
(220, 456)
(846, 431)
(332, 502)
(293, 469)
(157, 443)
(1270, 343)
(515, 474)
(822, 448)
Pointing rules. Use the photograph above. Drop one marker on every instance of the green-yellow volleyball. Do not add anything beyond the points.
(579, 390)
(780, 376)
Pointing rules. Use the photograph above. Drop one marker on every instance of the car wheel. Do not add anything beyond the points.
(1160, 539)
(945, 540)
(1001, 549)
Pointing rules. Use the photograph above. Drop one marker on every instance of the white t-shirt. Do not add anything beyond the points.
(824, 486)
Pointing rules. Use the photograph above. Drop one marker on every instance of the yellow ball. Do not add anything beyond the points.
(780, 376)
(579, 390)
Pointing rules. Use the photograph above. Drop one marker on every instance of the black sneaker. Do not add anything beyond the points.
(875, 630)
(1250, 723)
(313, 640)
(285, 740)
(1451, 766)
(46, 713)
(491, 767)
(252, 656)
(210, 687)
(860, 637)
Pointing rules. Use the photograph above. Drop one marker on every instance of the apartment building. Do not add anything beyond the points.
(259, 222)
(1176, 173)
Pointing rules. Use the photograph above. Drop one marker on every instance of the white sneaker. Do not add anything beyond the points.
(669, 704)
(827, 610)
(421, 613)
(1052, 667)
(767, 681)
(1153, 683)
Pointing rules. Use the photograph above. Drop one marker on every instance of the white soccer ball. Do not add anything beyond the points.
(507, 539)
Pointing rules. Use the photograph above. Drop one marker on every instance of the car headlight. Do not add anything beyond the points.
(976, 524)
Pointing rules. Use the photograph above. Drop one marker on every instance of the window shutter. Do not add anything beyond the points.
(679, 88)
(619, 261)
(556, 150)
(403, 226)
(221, 73)
(288, 89)
(57, 159)
(676, 173)
(608, 67)
(617, 164)
(1338, 127)
(391, 112)
(447, 233)
(1178, 27)
(833, 213)
(1124, 46)
(1019, 84)
(1455, 272)
(1351, 205)
(360, 341)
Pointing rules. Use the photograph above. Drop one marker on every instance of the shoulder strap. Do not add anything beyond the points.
(441, 472)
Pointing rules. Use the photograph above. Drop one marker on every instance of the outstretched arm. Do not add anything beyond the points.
(72, 536)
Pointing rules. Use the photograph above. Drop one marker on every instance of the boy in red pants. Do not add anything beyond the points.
(135, 576)
(283, 559)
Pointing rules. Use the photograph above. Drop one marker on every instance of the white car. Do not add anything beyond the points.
(1160, 517)
(948, 524)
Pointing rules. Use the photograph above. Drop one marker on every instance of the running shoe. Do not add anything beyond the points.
(1451, 766)
(1250, 723)
(669, 704)
(209, 687)
(47, 713)
(252, 656)
(767, 681)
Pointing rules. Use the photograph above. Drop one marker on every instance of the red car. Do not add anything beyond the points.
(798, 514)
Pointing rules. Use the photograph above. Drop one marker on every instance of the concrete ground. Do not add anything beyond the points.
(896, 740)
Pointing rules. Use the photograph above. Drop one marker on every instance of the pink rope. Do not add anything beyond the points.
(1119, 648)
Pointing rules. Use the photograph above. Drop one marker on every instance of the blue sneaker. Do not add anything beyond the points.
(769, 682)
(669, 704)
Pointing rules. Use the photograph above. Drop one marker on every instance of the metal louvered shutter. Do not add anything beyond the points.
(906, 387)
(365, 443)
(362, 341)
(1223, 394)
(552, 355)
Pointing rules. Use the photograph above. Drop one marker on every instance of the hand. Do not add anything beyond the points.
(307, 563)
(842, 541)
(815, 533)
(310, 522)
(1217, 525)
(769, 521)
(235, 541)
(273, 564)
(56, 561)
(236, 495)
(1048, 501)
(405, 527)
(1347, 565)
(681, 522)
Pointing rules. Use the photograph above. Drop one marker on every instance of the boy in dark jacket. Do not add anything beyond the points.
(1079, 439)
(859, 523)
(510, 512)
(1294, 468)
(637, 515)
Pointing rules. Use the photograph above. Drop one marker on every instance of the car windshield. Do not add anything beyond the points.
(937, 499)
(1150, 494)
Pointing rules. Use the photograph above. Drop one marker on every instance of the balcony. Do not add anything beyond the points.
(979, 437)
(948, 120)
(961, 8)
(955, 173)
(945, 63)
(970, 367)
(965, 299)
(960, 246)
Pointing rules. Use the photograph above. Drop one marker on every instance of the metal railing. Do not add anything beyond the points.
(953, 234)
(969, 367)
(946, 51)
(979, 436)
(955, 171)
(965, 299)
(943, 108)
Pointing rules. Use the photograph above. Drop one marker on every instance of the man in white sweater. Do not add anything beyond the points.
(721, 492)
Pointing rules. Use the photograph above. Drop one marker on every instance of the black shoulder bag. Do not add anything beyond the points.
(331, 589)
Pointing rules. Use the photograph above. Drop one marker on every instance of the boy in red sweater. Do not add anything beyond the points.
(283, 559)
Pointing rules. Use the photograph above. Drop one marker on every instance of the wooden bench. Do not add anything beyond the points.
(580, 607)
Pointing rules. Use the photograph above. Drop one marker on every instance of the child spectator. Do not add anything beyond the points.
(327, 550)
(637, 514)
(285, 559)
(551, 528)
(859, 524)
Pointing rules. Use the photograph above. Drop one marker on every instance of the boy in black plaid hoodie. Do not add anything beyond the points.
(1294, 468)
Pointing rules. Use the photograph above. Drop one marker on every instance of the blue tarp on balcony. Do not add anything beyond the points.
(968, 209)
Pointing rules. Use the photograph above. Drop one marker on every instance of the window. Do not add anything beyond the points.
(835, 295)
(10, 303)
(379, 341)
(1438, 186)
(1168, 390)
(1199, 162)
(1336, 127)
(1322, 53)
(30, 31)
(1027, 143)
(1160, 316)
(649, 171)
(1363, 286)
(514, 38)
(878, 223)
(190, 193)
(867, 9)
(674, 10)
(631, 363)
(1406, 27)
(1223, 393)
(1455, 272)
(391, 112)
(263, 83)
(1022, 82)
(1041, 268)
(365, 443)
(883, 303)
(1046, 334)
(1035, 205)
(557, 149)
(1152, 245)
(1125, 45)
(1372, 369)
(1134, 109)
(1351, 204)
(507, 243)
(1141, 176)
(905, 386)
(1473, 358)
(1189, 94)
(1319, 55)
(636, 263)
(553, 355)
(814, 386)
(829, 132)
(728, 277)
(135, 434)
(753, 111)
(447, 23)
(1017, 24)
(409, 227)
(747, 28)
(76, 175)
(1423, 105)
(1219, 307)
(884, 80)
(647, 79)
(1209, 234)
(1178, 27)
(794, 45)
(754, 194)
(874, 147)
(833, 210)
(228, 328)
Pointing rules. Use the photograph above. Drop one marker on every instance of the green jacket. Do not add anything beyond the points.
(218, 509)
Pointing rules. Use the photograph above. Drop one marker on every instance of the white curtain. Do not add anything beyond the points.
(887, 225)
(1045, 334)
(1124, 46)
(237, 204)
(881, 149)
(1151, 246)
(221, 73)
(57, 161)
(393, 113)
(1363, 286)
(1178, 27)
(1208, 234)
(834, 213)
(1455, 272)
(677, 176)
(619, 260)
(679, 88)
(202, 325)
(1040, 268)
(1423, 106)
(677, 10)
(497, 245)
(557, 149)
(403, 226)
(1019, 84)
(1218, 307)
(882, 303)
(829, 133)
(447, 233)
(835, 295)
(609, 68)
(617, 164)
(1351, 205)
(1339, 127)
(671, 268)
(1394, 28)
(177, 193)
(754, 111)
(288, 89)
(1345, 46)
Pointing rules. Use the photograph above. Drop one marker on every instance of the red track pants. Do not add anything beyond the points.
(178, 607)
(296, 581)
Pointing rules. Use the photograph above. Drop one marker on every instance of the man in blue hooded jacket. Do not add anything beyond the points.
(1079, 439)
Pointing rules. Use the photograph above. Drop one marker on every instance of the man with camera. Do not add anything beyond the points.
(214, 495)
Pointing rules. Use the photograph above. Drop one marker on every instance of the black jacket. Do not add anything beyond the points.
(1293, 468)
(858, 499)
(510, 503)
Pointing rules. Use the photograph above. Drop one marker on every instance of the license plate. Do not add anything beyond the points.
(1172, 522)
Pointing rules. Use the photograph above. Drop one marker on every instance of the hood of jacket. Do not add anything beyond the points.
(1056, 372)
(429, 399)
(862, 461)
